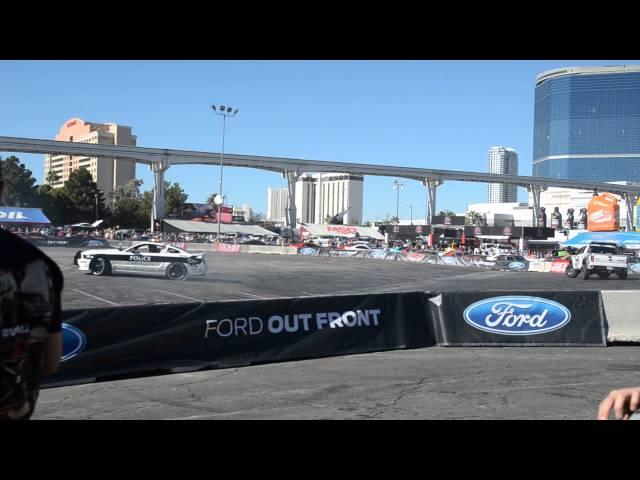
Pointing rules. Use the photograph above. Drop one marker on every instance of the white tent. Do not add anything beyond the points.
(349, 231)
(203, 227)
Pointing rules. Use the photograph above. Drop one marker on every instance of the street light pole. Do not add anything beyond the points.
(225, 112)
(398, 186)
(96, 195)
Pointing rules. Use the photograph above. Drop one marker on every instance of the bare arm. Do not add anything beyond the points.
(54, 352)
(623, 402)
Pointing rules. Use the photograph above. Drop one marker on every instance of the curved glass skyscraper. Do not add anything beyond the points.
(587, 124)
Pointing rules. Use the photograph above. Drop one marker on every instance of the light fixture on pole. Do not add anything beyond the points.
(219, 198)
(410, 205)
(398, 185)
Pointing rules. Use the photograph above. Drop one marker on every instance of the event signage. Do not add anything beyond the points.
(100, 343)
(517, 315)
(529, 318)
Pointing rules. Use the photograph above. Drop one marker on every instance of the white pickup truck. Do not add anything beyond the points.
(601, 258)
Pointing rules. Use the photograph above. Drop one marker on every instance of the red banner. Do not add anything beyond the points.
(559, 267)
(228, 248)
(343, 230)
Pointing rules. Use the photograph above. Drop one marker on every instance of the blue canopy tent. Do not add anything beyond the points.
(23, 216)
(630, 240)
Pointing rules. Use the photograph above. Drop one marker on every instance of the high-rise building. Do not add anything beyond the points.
(587, 124)
(108, 173)
(277, 205)
(322, 195)
(504, 161)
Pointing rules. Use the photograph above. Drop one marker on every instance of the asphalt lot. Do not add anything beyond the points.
(431, 383)
(428, 383)
(255, 276)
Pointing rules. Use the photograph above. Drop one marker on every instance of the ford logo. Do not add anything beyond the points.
(93, 243)
(517, 265)
(517, 315)
(378, 254)
(308, 251)
(73, 341)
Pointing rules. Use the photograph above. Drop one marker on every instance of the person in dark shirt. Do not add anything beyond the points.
(30, 323)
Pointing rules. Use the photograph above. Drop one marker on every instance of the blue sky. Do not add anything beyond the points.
(430, 114)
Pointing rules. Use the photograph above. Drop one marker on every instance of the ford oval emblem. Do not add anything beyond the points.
(73, 341)
(517, 265)
(308, 251)
(517, 315)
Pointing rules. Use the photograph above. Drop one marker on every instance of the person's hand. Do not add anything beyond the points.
(623, 402)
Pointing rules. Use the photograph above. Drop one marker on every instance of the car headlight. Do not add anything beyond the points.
(87, 256)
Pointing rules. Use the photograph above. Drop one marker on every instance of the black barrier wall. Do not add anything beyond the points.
(520, 318)
(107, 342)
(127, 340)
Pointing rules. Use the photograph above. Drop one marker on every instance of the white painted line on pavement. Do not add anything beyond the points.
(97, 298)
(252, 295)
(178, 295)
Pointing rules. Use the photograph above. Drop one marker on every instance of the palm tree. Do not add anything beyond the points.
(473, 217)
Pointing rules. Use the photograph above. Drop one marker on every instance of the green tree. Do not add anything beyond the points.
(256, 217)
(18, 183)
(55, 205)
(130, 190)
(81, 192)
(129, 206)
(446, 213)
(52, 177)
(175, 198)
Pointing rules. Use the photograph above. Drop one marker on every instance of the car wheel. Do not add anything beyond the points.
(584, 273)
(100, 266)
(571, 272)
(176, 271)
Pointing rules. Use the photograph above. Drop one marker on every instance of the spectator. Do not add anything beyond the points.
(624, 403)
(30, 323)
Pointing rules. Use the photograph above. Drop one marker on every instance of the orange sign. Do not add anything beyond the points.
(603, 213)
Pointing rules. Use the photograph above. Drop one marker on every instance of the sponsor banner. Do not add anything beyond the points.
(74, 241)
(23, 215)
(559, 267)
(309, 251)
(512, 265)
(526, 319)
(106, 342)
(228, 248)
(344, 253)
(536, 266)
(183, 246)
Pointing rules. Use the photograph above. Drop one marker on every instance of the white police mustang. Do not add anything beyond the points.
(143, 258)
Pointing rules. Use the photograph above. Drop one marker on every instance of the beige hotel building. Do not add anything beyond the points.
(108, 173)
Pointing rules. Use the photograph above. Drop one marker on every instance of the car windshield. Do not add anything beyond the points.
(602, 249)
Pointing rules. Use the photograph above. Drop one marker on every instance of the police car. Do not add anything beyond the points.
(144, 257)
